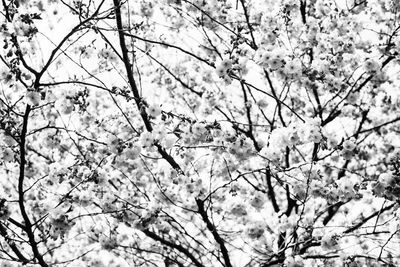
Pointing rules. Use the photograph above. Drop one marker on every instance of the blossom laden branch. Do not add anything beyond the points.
(214, 232)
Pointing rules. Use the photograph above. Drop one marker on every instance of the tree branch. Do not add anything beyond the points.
(213, 230)
(132, 83)
(28, 224)
(174, 246)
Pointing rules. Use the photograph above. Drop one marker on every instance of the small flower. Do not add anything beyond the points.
(60, 225)
(264, 57)
(223, 67)
(108, 243)
(33, 98)
(262, 103)
(257, 201)
(8, 155)
(293, 137)
(270, 153)
(107, 202)
(353, 97)
(329, 241)
(220, 71)
(154, 111)
(347, 154)
(84, 200)
(294, 261)
(239, 209)
(198, 128)
(227, 64)
(146, 139)
(159, 132)
(286, 223)
(108, 198)
(113, 143)
(65, 106)
(332, 141)
(371, 65)
(86, 51)
(293, 67)
(133, 152)
(386, 178)
(270, 37)
(275, 62)
(227, 80)
(255, 230)
(349, 145)
(378, 188)
(6, 76)
(316, 137)
(169, 141)
(108, 54)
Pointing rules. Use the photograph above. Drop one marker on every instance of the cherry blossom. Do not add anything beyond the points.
(199, 133)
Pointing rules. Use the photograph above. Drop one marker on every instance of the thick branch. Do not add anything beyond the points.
(271, 192)
(18, 253)
(303, 5)
(366, 219)
(134, 88)
(28, 224)
(174, 246)
(213, 230)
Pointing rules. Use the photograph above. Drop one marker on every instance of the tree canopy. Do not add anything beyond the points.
(200, 133)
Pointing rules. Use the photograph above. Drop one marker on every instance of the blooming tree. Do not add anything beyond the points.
(200, 133)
